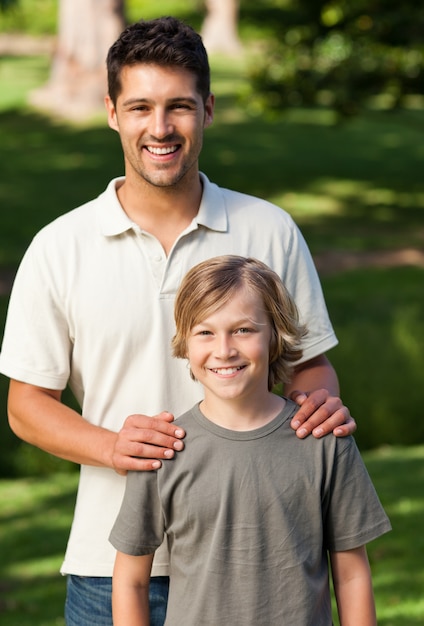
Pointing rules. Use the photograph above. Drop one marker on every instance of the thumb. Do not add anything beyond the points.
(298, 396)
(166, 416)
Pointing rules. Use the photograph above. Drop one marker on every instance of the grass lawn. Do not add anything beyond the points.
(34, 524)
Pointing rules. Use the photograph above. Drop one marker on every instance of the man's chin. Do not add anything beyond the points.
(163, 180)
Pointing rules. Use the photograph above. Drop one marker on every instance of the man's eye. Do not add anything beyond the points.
(182, 106)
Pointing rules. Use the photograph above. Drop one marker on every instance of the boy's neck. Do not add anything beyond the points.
(241, 416)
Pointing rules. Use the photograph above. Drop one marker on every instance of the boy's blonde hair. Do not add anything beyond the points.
(212, 283)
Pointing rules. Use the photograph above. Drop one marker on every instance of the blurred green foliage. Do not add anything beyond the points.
(33, 17)
(337, 53)
(39, 17)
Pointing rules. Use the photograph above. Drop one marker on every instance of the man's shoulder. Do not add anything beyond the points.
(238, 202)
(79, 220)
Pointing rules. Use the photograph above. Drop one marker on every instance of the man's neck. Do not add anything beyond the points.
(164, 212)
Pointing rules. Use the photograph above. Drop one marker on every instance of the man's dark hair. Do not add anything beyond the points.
(164, 41)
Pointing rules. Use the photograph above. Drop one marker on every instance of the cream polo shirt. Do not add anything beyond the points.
(92, 304)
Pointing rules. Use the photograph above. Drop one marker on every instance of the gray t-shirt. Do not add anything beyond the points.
(249, 517)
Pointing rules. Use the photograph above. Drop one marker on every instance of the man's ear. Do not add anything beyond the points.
(111, 114)
(209, 110)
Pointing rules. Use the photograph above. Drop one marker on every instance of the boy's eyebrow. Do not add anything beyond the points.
(238, 322)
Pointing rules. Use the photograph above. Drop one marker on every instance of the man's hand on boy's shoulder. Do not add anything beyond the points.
(143, 441)
(321, 413)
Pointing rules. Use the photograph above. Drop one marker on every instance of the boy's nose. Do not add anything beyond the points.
(225, 347)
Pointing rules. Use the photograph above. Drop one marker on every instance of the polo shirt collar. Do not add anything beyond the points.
(112, 218)
(114, 221)
(212, 211)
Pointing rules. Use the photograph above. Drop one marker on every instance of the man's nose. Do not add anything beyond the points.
(161, 124)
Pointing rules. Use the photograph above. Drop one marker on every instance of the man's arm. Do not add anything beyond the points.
(315, 387)
(130, 590)
(38, 416)
(353, 587)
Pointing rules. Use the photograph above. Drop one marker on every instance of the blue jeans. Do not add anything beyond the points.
(89, 601)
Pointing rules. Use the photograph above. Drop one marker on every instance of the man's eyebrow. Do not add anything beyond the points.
(187, 99)
(184, 99)
(131, 101)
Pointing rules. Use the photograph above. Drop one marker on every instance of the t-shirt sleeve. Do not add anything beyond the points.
(37, 346)
(353, 514)
(139, 527)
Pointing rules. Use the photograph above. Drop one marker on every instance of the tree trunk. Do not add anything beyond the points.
(219, 30)
(78, 80)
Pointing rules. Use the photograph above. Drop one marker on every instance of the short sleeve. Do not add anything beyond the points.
(354, 515)
(139, 527)
(36, 346)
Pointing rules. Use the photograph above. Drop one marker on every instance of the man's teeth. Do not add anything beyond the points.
(168, 150)
(227, 370)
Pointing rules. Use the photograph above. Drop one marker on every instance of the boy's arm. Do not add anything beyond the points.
(130, 590)
(353, 587)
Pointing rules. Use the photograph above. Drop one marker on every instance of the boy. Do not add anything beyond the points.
(251, 543)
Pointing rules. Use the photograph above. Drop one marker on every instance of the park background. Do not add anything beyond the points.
(350, 171)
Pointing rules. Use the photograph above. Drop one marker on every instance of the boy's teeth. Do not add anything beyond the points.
(227, 370)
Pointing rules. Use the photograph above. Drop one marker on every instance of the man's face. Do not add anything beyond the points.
(160, 117)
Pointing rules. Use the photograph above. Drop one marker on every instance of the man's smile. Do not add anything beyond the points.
(162, 151)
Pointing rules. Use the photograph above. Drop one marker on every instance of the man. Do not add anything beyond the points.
(92, 303)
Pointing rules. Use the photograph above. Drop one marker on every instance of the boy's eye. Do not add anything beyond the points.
(243, 331)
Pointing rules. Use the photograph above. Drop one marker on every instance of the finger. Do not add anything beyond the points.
(298, 396)
(317, 407)
(126, 464)
(143, 450)
(146, 443)
(165, 416)
(140, 456)
(346, 429)
(147, 426)
(323, 422)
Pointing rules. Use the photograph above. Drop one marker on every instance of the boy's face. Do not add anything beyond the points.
(160, 117)
(229, 351)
